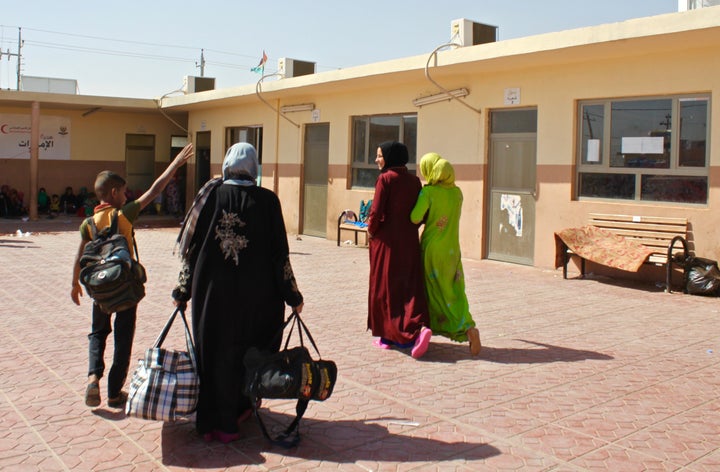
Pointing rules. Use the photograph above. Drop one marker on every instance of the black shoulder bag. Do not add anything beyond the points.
(288, 374)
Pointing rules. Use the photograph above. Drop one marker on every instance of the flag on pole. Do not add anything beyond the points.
(260, 68)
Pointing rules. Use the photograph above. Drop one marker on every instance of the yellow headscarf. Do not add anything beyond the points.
(436, 170)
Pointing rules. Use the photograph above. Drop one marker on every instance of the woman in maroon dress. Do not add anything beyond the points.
(397, 311)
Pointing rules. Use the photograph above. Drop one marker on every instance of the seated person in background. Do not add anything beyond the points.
(4, 201)
(158, 203)
(16, 207)
(90, 203)
(54, 205)
(68, 201)
(80, 201)
(43, 200)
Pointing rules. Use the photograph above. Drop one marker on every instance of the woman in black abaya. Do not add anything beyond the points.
(236, 269)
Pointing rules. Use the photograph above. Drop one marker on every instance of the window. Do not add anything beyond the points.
(644, 149)
(370, 131)
(245, 134)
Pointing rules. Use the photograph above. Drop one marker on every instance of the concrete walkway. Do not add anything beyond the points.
(574, 374)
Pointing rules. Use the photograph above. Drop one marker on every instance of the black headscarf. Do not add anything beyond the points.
(395, 154)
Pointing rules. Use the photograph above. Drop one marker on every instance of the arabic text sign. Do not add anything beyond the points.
(54, 140)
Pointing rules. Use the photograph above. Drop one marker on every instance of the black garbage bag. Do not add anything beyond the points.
(702, 276)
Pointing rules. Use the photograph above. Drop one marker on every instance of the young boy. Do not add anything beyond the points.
(110, 190)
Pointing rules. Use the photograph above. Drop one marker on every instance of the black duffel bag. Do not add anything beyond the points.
(292, 374)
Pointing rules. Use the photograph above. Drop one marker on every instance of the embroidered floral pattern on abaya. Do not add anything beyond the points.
(231, 243)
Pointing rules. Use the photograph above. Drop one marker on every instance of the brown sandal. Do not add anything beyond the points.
(92, 394)
(474, 337)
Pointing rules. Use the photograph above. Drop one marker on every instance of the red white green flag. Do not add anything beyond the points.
(260, 68)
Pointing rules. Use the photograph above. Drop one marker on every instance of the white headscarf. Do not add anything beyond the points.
(240, 166)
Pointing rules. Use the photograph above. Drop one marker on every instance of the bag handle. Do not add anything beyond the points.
(301, 327)
(188, 337)
(291, 436)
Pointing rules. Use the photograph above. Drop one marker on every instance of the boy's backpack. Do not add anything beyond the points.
(113, 279)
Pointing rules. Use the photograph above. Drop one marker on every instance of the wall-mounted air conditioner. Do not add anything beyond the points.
(193, 84)
(469, 33)
(295, 68)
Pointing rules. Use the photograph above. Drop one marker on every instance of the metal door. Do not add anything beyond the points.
(139, 162)
(512, 186)
(315, 184)
(202, 158)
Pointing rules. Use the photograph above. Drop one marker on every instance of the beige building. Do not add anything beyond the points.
(82, 135)
(542, 131)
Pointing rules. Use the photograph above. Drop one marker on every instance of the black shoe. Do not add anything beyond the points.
(119, 401)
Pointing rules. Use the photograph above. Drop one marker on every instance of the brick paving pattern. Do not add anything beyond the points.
(574, 375)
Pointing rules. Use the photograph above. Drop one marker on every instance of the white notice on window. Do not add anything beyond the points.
(593, 150)
(651, 145)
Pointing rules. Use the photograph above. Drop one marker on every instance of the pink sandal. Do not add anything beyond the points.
(421, 343)
(224, 437)
(380, 345)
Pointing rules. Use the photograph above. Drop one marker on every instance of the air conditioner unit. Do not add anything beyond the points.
(469, 33)
(295, 68)
(48, 84)
(198, 84)
(684, 5)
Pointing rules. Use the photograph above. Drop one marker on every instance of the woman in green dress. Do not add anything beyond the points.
(438, 206)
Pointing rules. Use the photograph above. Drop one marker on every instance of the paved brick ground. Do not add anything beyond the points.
(574, 375)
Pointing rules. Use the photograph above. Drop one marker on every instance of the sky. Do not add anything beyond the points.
(145, 49)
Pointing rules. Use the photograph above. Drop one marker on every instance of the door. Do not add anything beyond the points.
(139, 162)
(512, 186)
(202, 159)
(315, 184)
(180, 179)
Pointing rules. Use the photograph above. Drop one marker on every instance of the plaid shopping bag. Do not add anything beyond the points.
(165, 384)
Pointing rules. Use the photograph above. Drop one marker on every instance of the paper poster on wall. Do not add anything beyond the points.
(593, 150)
(513, 205)
(643, 145)
(15, 133)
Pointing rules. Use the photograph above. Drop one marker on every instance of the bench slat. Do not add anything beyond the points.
(646, 235)
(672, 229)
(352, 227)
(638, 219)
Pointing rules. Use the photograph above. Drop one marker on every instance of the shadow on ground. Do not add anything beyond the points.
(541, 353)
(344, 441)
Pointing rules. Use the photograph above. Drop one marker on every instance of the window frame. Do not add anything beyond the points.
(605, 164)
(370, 148)
(256, 131)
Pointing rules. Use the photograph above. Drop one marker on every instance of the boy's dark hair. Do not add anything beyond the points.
(105, 182)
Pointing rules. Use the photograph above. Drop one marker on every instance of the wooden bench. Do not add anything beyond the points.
(346, 222)
(659, 233)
